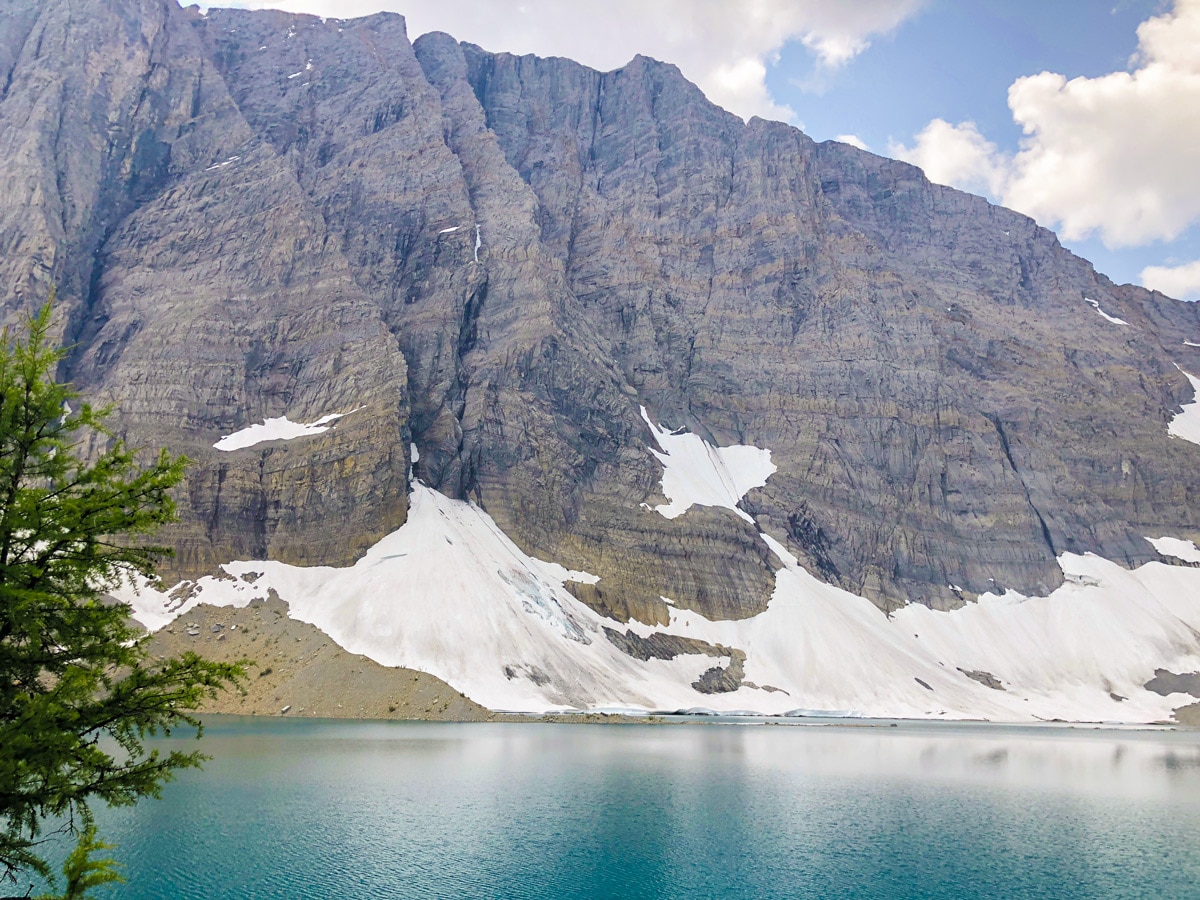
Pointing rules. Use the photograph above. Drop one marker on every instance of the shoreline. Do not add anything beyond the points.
(666, 718)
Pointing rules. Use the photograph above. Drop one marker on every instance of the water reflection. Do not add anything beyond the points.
(327, 809)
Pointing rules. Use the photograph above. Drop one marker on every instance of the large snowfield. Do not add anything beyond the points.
(448, 593)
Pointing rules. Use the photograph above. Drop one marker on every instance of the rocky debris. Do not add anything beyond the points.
(533, 673)
(985, 678)
(769, 688)
(500, 259)
(294, 667)
(1188, 715)
(659, 645)
(183, 592)
(723, 679)
(1164, 683)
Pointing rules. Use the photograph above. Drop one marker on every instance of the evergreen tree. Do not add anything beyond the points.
(78, 696)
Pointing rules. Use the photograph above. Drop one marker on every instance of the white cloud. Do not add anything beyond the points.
(1182, 282)
(853, 140)
(1114, 155)
(957, 155)
(838, 32)
(724, 46)
(742, 85)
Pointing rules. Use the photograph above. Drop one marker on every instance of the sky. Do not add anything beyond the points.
(1084, 114)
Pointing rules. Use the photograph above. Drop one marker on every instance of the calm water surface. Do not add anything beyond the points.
(323, 809)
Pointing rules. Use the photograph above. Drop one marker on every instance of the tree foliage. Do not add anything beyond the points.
(82, 873)
(78, 695)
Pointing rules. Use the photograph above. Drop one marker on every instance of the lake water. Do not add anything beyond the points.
(324, 809)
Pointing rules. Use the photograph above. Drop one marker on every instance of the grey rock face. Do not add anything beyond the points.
(501, 259)
(943, 405)
(199, 284)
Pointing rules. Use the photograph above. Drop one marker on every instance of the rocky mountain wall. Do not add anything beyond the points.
(197, 283)
(503, 259)
(924, 365)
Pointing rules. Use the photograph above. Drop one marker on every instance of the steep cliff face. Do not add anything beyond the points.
(518, 402)
(197, 281)
(944, 405)
(505, 259)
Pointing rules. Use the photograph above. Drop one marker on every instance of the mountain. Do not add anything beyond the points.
(677, 399)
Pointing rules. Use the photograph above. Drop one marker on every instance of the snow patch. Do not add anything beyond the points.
(414, 456)
(1113, 319)
(695, 473)
(450, 230)
(1180, 549)
(224, 163)
(478, 242)
(279, 429)
(1186, 423)
(1190, 344)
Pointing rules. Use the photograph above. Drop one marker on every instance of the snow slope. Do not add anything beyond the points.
(450, 594)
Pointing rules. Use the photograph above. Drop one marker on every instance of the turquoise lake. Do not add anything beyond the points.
(331, 809)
